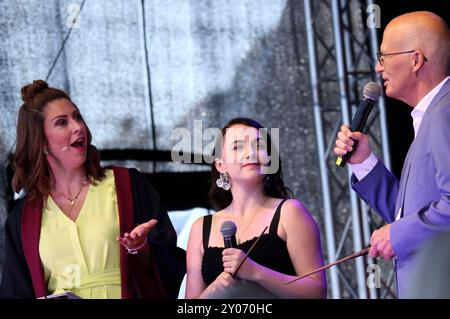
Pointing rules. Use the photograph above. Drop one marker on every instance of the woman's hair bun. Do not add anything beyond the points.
(30, 90)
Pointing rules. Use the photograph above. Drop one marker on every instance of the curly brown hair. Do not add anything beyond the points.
(31, 170)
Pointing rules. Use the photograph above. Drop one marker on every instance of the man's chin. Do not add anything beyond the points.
(388, 91)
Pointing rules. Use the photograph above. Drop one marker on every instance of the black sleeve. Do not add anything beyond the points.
(170, 259)
(16, 277)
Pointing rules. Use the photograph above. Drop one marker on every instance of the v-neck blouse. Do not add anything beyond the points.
(83, 256)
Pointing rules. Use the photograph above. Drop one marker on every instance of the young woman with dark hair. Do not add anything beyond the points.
(245, 192)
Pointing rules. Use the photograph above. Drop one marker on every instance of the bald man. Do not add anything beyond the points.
(414, 64)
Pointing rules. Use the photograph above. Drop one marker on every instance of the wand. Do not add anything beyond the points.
(354, 255)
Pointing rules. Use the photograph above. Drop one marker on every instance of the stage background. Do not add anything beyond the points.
(139, 69)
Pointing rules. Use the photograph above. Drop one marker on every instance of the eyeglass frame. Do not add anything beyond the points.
(381, 55)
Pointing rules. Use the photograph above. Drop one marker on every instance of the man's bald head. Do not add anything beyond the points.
(425, 31)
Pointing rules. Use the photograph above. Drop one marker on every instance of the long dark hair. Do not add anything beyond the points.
(273, 184)
(31, 170)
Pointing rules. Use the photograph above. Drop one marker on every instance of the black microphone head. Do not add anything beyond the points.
(228, 229)
(372, 91)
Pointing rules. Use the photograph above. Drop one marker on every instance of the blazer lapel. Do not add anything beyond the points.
(445, 89)
(403, 182)
(407, 165)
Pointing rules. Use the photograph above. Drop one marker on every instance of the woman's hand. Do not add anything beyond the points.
(138, 235)
(232, 257)
(220, 288)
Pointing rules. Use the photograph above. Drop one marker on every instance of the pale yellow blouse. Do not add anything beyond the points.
(83, 256)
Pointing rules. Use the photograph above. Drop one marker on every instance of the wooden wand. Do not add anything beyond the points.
(355, 255)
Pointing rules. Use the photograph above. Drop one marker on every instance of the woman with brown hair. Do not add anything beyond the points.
(98, 233)
(246, 192)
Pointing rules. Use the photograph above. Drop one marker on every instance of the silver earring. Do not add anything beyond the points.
(224, 181)
(45, 152)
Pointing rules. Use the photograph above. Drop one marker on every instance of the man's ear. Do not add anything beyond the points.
(418, 60)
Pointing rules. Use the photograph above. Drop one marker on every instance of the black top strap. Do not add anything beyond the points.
(207, 220)
(276, 218)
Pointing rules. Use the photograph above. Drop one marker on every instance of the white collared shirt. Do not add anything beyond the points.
(364, 168)
(420, 109)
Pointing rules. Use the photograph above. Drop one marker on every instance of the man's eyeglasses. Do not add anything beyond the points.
(381, 56)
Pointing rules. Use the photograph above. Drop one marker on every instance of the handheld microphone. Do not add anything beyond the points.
(371, 93)
(228, 230)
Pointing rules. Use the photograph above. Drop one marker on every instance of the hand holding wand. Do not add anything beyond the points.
(248, 253)
(354, 255)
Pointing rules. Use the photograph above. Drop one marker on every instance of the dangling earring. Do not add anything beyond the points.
(45, 152)
(224, 181)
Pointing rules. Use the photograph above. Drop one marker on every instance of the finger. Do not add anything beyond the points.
(357, 136)
(227, 264)
(343, 146)
(231, 257)
(230, 271)
(229, 251)
(345, 129)
(151, 222)
(345, 138)
(135, 236)
(143, 229)
(139, 232)
(149, 225)
(373, 252)
(227, 269)
(128, 242)
(340, 152)
(385, 250)
(225, 275)
(374, 238)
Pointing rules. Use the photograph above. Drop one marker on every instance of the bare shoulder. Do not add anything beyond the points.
(294, 208)
(295, 214)
(197, 226)
(196, 237)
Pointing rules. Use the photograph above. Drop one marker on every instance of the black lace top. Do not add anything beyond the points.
(271, 251)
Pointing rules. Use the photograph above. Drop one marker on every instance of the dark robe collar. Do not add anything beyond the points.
(30, 231)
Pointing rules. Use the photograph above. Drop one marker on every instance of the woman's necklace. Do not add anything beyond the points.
(241, 234)
(74, 199)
